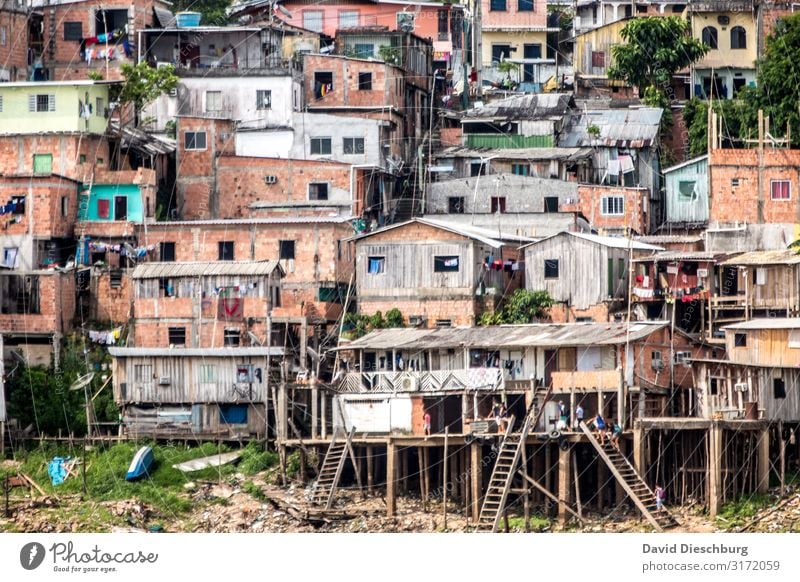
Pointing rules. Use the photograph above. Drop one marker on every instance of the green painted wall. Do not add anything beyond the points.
(16, 117)
(89, 209)
(500, 141)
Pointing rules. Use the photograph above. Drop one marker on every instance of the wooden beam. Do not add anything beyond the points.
(547, 494)
(391, 479)
(564, 487)
(477, 479)
(763, 461)
(577, 487)
(370, 475)
(714, 477)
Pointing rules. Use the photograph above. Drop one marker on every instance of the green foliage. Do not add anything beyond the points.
(522, 307)
(144, 84)
(737, 513)
(254, 491)
(255, 459)
(507, 67)
(655, 49)
(171, 128)
(739, 120)
(394, 318)
(593, 130)
(390, 55)
(95, 75)
(39, 397)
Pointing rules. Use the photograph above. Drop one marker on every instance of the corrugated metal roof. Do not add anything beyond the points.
(782, 257)
(684, 164)
(767, 323)
(668, 256)
(480, 234)
(528, 107)
(616, 242)
(658, 239)
(635, 128)
(229, 352)
(531, 335)
(199, 269)
(277, 220)
(566, 154)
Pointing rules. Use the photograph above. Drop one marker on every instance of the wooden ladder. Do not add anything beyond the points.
(632, 482)
(331, 470)
(540, 395)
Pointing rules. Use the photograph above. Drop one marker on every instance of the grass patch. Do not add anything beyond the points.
(255, 459)
(737, 513)
(254, 491)
(536, 523)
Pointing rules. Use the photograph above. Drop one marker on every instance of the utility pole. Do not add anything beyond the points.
(477, 31)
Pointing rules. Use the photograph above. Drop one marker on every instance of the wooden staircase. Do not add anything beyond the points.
(632, 482)
(508, 457)
(331, 470)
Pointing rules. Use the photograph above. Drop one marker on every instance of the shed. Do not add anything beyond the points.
(687, 191)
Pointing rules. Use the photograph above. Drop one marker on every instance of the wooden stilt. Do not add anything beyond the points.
(391, 479)
(422, 470)
(427, 474)
(403, 477)
(548, 472)
(563, 483)
(444, 479)
(714, 474)
(477, 479)
(577, 486)
(370, 472)
(549, 495)
(782, 457)
(763, 461)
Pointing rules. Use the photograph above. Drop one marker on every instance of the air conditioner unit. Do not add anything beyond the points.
(723, 19)
(164, 381)
(408, 384)
(740, 386)
(415, 320)
(270, 179)
(657, 365)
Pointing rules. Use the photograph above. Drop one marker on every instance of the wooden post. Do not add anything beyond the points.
(477, 479)
(422, 470)
(714, 476)
(391, 479)
(548, 470)
(577, 487)
(324, 416)
(83, 466)
(314, 410)
(782, 456)
(2, 437)
(638, 450)
(403, 477)
(370, 476)
(426, 476)
(5, 493)
(564, 458)
(444, 479)
(763, 461)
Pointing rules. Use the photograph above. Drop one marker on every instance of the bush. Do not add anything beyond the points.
(255, 459)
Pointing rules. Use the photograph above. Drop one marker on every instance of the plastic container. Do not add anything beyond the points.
(188, 19)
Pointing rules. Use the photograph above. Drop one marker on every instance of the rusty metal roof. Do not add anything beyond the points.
(529, 107)
(565, 154)
(767, 323)
(636, 128)
(204, 269)
(530, 335)
(227, 352)
(669, 256)
(755, 258)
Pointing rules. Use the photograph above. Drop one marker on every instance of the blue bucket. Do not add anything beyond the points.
(188, 19)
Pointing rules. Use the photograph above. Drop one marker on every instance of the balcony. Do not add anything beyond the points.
(591, 380)
(478, 379)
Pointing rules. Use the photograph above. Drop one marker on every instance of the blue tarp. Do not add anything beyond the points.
(56, 470)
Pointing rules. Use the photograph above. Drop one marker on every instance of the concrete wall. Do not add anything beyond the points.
(65, 116)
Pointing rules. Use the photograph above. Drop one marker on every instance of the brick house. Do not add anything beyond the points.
(14, 41)
(435, 273)
(615, 209)
(317, 264)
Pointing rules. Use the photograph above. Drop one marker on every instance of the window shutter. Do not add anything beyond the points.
(32, 103)
(51, 102)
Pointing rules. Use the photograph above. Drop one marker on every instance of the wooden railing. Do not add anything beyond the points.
(487, 379)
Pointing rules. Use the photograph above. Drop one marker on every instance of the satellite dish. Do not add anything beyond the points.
(82, 381)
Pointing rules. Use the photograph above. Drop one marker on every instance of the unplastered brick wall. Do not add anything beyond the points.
(562, 313)
(14, 52)
(457, 312)
(241, 181)
(111, 304)
(660, 342)
(43, 205)
(735, 186)
(56, 307)
(385, 82)
(320, 259)
(633, 214)
(74, 156)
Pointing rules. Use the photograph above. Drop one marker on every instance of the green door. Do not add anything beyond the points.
(43, 163)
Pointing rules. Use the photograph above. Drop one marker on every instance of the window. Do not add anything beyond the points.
(441, 19)
(41, 103)
(365, 81)
(323, 84)
(500, 52)
(166, 252)
(82, 159)
(455, 205)
(734, 182)
(778, 388)
(364, 50)
(120, 208)
(115, 278)
(621, 268)
(348, 19)
(740, 340)
(686, 190)
(520, 169)
(353, 145)
(781, 189)
(177, 336)
(498, 204)
(318, 191)
(99, 107)
(18, 205)
(103, 208)
(551, 269)
(42, 163)
(551, 204)
(64, 206)
(761, 276)
(312, 20)
(447, 264)
(794, 338)
(738, 38)
(320, 146)
(477, 169)
(709, 37)
(73, 31)
(213, 101)
(263, 99)
(613, 206)
(233, 413)
(655, 356)
(444, 323)
(524, 5)
(231, 337)
(10, 257)
(376, 265)
(497, 5)
(244, 373)
(142, 373)
(3, 36)
(208, 373)
(599, 59)
(194, 140)
(286, 249)
(610, 277)
(683, 357)
(225, 250)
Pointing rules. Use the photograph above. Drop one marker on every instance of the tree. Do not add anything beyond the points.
(655, 49)
(523, 306)
(144, 84)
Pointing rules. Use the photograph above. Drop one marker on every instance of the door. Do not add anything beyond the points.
(729, 282)
(550, 365)
(530, 51)
(120, 208)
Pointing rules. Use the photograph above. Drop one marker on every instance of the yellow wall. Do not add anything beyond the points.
(724, 56)
(16, 118)
(599, 39)
(515, 39)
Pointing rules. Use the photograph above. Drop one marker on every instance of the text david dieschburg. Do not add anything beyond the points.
(695, 549)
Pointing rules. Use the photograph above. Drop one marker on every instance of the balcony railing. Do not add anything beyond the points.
(485, 379)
